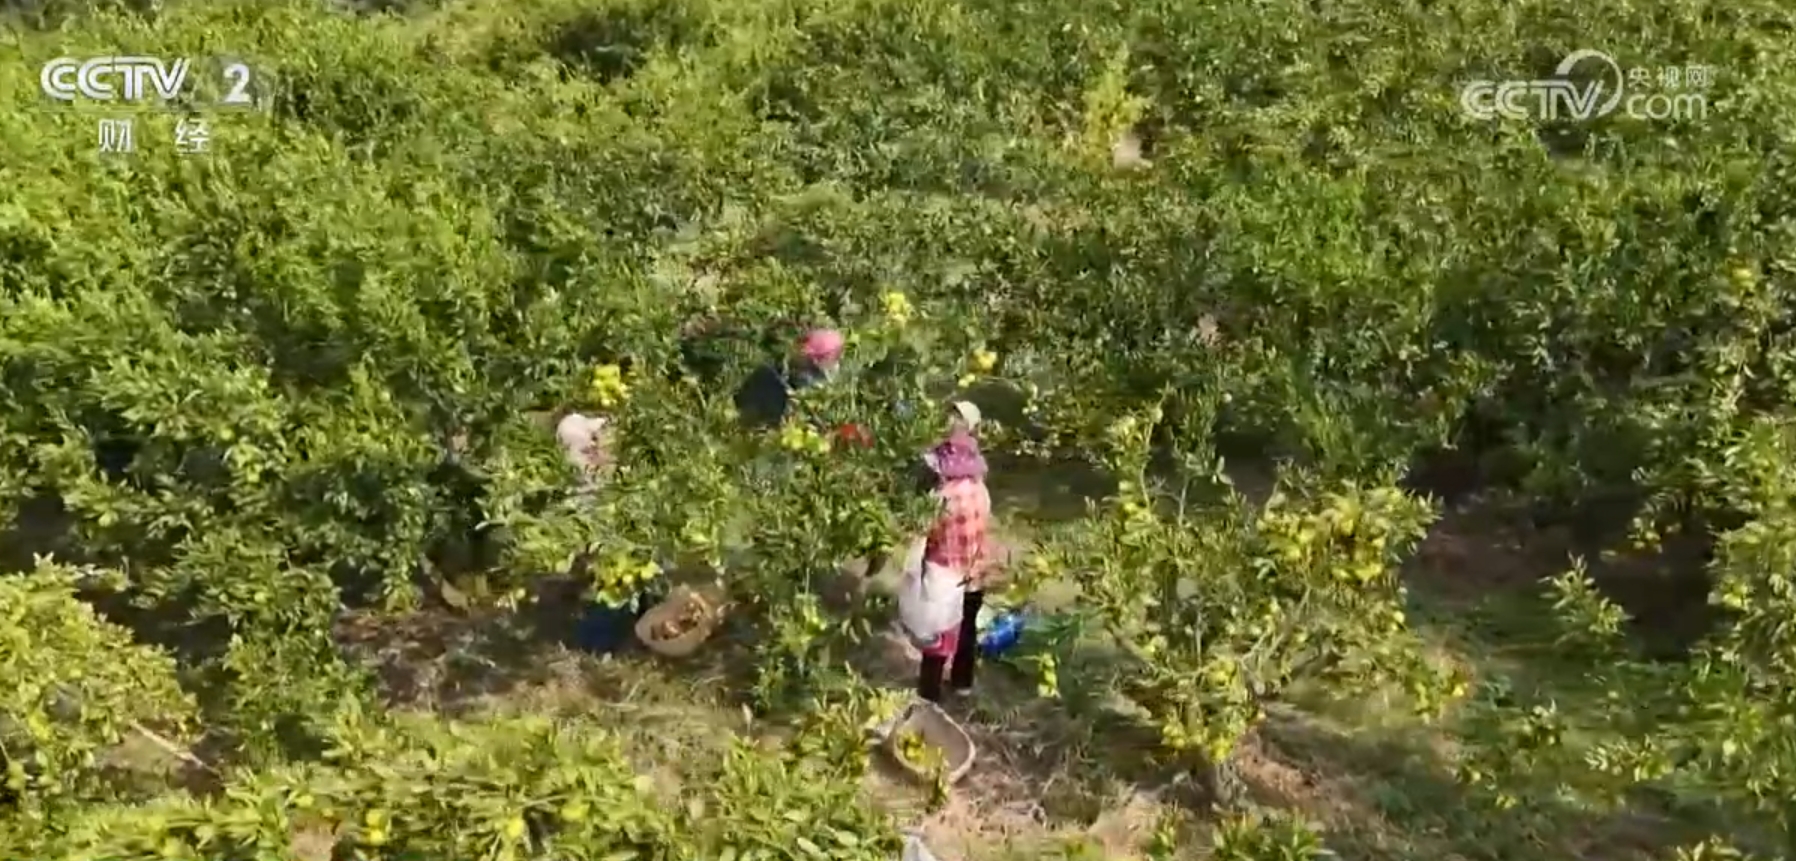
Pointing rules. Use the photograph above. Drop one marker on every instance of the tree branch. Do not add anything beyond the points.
(171, 748)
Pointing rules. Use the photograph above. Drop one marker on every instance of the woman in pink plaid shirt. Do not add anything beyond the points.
(958, 541)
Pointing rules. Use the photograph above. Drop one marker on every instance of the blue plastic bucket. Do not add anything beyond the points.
(604, 629)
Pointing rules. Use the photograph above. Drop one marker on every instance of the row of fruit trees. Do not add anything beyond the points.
(1220, 606)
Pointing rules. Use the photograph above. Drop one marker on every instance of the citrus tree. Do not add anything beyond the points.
(1220, 606)
(76, 687)
(517, 788)
(1707, 733)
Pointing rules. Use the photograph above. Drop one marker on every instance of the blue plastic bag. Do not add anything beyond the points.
(604, 628)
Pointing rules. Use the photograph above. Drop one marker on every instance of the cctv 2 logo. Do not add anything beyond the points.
(108, 79)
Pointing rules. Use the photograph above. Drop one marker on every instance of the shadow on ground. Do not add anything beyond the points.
(1393, 797)
(1383, 784)
(1480, 553)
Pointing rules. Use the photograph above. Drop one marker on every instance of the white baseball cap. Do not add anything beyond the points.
(968, 413)
(577, 431)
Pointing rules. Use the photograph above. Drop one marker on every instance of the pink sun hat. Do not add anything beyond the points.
(822, 345)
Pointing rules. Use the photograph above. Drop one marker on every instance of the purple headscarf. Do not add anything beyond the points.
(957, 457)
(822, 346)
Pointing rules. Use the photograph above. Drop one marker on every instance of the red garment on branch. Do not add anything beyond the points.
(854, 434)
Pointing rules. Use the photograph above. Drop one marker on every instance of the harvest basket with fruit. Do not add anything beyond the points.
(677, 626)
(930, 745)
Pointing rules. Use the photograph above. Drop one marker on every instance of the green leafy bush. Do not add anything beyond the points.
(74, 686)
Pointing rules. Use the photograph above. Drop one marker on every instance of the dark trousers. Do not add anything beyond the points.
(966, 654)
